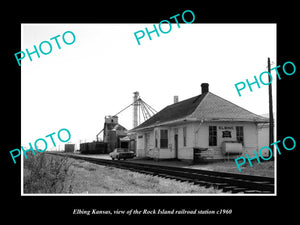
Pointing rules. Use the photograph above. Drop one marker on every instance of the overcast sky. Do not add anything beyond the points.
(76, 86)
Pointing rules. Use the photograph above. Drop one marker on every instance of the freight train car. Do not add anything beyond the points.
(96, 147)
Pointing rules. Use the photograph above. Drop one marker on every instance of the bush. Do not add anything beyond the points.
(44, 173)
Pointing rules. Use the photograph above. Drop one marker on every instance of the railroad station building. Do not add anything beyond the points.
(204, 127)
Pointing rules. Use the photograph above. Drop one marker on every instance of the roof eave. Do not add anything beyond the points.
(172, 122)
(186, 119)
(253, 120)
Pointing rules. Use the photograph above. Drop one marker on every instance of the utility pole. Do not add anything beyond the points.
(135, 109)
(271, 119)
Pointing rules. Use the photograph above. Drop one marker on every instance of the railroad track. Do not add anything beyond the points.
(220, 180)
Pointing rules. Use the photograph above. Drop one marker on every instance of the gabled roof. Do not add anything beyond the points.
(214, 107)
(114, 126)
(206, 107)
(119, 127)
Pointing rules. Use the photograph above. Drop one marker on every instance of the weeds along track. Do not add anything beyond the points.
(220, 180)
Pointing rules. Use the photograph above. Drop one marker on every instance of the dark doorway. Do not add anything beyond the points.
(176, 145)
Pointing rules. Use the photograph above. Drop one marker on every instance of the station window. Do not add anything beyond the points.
(164, 138)
(240, 134)
(212, 135)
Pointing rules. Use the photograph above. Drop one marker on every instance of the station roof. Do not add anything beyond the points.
(204, 107)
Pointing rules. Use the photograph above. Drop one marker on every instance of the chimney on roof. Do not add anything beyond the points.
(204, 87)
(175, 98)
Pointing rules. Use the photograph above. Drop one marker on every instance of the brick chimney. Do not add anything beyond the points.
(175, 98)
(204, 87)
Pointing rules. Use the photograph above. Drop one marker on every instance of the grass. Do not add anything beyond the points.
(109, 180)
(46, 173)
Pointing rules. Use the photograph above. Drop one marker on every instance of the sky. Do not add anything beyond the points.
(76, 86)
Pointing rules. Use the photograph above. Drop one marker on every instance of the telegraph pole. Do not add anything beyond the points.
(271, 119)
